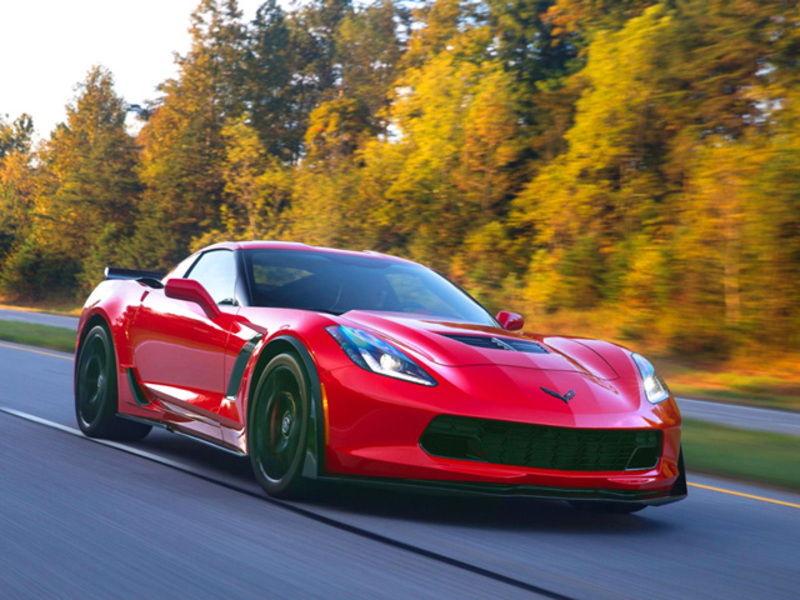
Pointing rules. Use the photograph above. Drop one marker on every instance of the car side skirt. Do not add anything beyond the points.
(195, 437)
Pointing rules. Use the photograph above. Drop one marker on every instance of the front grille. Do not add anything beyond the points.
(541, 446)
(498, 343)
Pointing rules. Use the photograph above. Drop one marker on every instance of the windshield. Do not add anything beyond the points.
(338, 283)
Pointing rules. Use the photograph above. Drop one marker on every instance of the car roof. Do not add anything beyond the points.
(273, 245)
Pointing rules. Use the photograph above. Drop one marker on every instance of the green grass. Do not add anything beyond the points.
(56, 338)
(769, 458)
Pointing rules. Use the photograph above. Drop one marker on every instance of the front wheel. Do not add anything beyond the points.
(278, 427)
(96, 394)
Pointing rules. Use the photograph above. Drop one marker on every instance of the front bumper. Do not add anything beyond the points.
(487, 490)
(374, 425)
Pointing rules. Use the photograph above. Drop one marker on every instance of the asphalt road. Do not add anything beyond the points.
(66, 321)
(742, 417)
(170, 518)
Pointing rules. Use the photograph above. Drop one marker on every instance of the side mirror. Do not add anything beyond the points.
(192, 291)
(510, 320)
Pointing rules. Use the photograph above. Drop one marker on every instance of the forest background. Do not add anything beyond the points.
(628, 169)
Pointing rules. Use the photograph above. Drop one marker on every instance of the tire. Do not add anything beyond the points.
(96, 393)
(609, 508)
(278, 427)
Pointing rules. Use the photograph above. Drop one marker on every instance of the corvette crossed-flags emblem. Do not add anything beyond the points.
(566, 397)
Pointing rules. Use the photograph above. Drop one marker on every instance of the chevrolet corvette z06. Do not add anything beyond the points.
(322, 364)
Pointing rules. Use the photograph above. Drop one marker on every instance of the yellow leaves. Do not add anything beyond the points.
(336, 127)
(492, 140)
(257, 186)
(622, 75)
(598, 179)
(439, 31)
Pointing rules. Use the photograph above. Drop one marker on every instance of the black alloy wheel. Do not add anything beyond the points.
(278, 427)
(96, 393)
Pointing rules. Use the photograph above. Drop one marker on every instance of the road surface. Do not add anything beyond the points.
(742, 417)
(26, 316)
(167, 517)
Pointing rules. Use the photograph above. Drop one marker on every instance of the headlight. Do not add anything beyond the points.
(374, 354)
(654, 387)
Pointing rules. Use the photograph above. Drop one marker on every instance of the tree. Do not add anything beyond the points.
(368, 50)
(315, 73)
(17, 182)
(182, 143)
(257, 191)
(336, 128)
(586, 201)
(15, 136)
(525, 41)
(576, 21)
(439, 25)
(88, 189)
(272, 58)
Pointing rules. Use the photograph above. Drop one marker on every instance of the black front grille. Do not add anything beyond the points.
(541, 446)
(498, 343)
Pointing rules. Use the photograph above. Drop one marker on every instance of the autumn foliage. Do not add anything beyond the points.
(632, 158)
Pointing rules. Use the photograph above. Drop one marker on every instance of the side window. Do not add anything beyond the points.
(216, 270)
(183, 266)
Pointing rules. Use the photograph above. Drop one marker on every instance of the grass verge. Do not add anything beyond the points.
(55, 338)
(755, 456)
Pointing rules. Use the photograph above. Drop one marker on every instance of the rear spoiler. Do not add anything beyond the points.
(119, 273)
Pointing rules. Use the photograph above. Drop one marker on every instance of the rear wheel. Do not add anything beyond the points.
(96, 394)
(278, 427)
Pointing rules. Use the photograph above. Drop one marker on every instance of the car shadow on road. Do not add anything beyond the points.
(340, 500)
(510, 514)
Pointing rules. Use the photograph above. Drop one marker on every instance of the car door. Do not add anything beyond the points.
(179, 351)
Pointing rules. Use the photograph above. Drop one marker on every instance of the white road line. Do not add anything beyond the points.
(341, 525)
(111, 444)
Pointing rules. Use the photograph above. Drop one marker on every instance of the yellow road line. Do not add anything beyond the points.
(31, 350)
(743, 495)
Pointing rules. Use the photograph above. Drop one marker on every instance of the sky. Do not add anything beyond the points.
(48, 46)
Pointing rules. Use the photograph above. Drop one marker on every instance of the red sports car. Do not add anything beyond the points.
(324, 364)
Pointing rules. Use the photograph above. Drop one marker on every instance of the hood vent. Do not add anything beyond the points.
(497, 343)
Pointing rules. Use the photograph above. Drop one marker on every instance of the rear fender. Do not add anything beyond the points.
(113, 303)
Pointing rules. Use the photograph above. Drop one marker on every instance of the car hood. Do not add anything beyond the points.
(463, 344)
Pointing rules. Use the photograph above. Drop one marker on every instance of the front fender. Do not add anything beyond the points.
(264, 351)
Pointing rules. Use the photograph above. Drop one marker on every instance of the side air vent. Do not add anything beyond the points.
(498, 343)
(136, 390)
